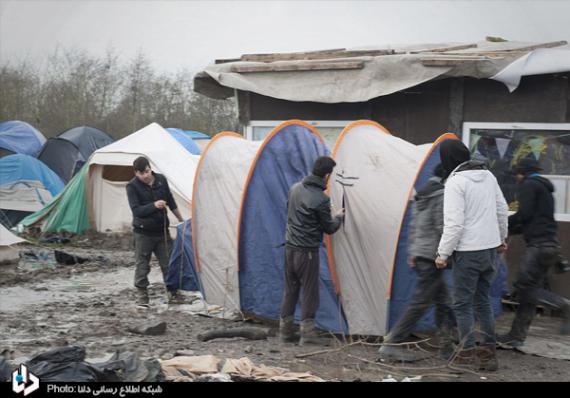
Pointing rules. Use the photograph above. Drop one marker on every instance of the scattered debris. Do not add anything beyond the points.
(149, 329)
(245, 332)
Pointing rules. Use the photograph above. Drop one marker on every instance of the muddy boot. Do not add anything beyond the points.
(287, 330)
(310, 335)
(172, 297)
(142, 297)
(465, 359)
(446, 347)
(487, 357)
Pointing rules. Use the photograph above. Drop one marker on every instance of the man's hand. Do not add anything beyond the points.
(411, 261)
(503, 248)
(440, 263)
(160, 204)
(339, 213)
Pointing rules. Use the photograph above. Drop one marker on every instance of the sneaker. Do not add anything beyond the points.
(507, 342)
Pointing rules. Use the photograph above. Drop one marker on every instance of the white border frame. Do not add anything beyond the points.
(248, 129)
(468, 126)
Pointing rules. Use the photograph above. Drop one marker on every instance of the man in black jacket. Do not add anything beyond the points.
(149, 195)
(308, 217)
(535, 219)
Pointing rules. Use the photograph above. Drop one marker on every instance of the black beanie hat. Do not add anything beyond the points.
(452, 154)
(323, 166)
(527, 166)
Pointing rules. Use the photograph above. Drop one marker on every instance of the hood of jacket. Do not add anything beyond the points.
(543, 181)
(434, 187)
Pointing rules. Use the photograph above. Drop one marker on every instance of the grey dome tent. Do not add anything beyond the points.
(66, 153)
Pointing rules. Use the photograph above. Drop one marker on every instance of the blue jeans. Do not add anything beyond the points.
(473, 272)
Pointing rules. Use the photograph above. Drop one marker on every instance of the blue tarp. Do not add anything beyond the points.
(286, 159)
(16, 168)
(20, 137)
(181, 267)
(186, 137)
(404, 277)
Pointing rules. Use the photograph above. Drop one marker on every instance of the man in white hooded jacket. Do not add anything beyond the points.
(475, 228)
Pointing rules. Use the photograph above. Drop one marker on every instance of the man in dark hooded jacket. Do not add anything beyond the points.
(308, 217)
(425, 232)
(535, 219)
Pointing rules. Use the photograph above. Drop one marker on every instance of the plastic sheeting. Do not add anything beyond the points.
(67, 212)
(20, 137)
(381, 169)
(218, 192)
(286, 157)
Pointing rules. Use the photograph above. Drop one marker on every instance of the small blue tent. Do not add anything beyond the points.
(20, 137)
(26, 185)
(285, 158)
(404, 277)
(181, 267)
(186, 138)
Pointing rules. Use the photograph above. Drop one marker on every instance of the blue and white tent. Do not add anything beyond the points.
(26, 186)
(20, 137)
(239, 216)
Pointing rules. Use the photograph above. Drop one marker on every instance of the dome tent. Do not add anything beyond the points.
(26, 185)
(20, 137)
(239, 251)
(66, 153)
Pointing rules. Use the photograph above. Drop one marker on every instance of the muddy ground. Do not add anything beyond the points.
(92, 304)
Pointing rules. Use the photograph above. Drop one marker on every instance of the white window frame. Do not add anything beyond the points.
(466, 138)
(248, 129)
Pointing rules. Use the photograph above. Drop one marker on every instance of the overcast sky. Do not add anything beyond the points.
(191, 34)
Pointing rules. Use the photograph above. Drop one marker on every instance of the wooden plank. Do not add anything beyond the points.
(290, 67)
(316, 56)
(513, 50)
(449, 61)
(226, 60)
(444, 49)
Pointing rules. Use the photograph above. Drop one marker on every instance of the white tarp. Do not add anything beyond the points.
(382, 75)
(220, 180)
(382, 169)
(107, 199)
(537, 62)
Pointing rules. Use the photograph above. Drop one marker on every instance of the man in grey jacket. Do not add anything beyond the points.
(308, 217)
(425, 232)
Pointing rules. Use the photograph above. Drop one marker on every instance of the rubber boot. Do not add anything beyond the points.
(310, 335)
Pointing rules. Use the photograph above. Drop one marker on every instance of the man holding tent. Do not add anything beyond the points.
(149, 195)
(535, 220)
(308, 217)
(475, 217)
